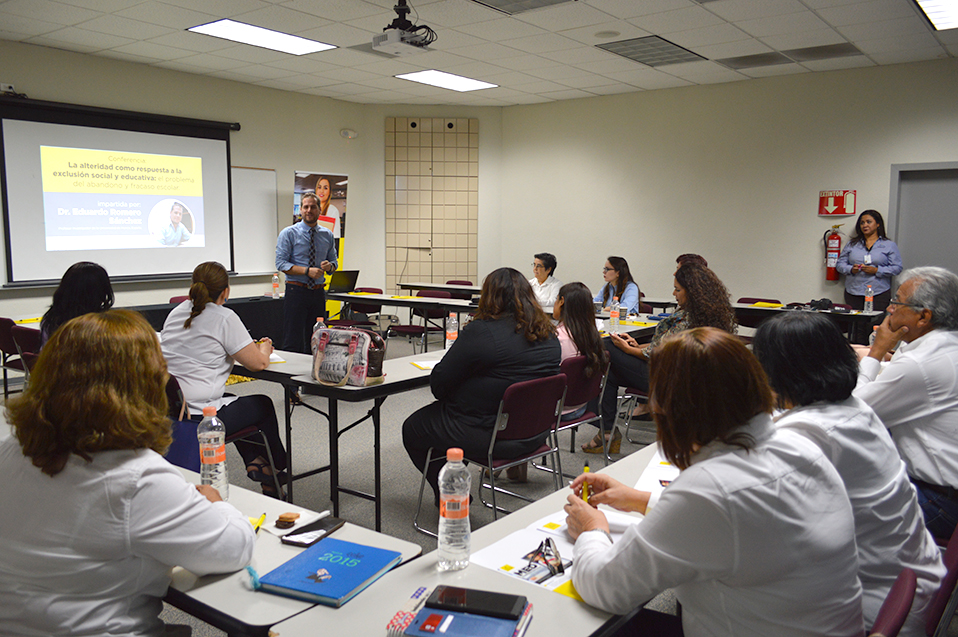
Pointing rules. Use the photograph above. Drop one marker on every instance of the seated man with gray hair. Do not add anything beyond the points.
(916, 394)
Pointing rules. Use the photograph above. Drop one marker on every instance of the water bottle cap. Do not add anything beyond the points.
(209, 410)
(615, 298)
(454, 454)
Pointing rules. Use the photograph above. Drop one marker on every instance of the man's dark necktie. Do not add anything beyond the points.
(312, 258)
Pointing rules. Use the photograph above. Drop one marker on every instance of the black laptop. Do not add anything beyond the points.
(343, 280)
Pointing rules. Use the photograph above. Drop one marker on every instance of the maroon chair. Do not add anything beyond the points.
(945, 602)
(581, 389)
(429, 318)
(9, 356)
(27, 342)
(894, 610)
(362, 308)
(460, 295)
(176, 300)
(527, 410)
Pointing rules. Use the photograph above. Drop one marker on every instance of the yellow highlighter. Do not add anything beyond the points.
(585, 485)
(257, 522)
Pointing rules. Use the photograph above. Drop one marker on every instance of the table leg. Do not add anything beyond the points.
(377, 462)
(288, 396)
(334, 454)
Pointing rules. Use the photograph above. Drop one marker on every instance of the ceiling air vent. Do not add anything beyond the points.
(651, 51)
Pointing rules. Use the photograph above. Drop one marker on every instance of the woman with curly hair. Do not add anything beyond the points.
(703, 301)
(100, 516)
(510, 340)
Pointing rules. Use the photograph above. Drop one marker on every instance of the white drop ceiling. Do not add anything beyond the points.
(539, 56)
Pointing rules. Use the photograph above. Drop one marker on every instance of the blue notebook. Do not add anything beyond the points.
(330, 572)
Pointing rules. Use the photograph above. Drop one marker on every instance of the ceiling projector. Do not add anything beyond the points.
(402, 37)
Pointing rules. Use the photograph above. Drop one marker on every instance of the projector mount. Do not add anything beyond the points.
(408, 34)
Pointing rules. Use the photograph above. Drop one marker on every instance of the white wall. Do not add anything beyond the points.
(730, 171)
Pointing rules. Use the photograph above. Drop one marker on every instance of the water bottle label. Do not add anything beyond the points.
(451, 336)
(212, 454)
(454, 507)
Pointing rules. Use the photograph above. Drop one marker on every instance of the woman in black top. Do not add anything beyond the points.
(84, 288)
(510, 340)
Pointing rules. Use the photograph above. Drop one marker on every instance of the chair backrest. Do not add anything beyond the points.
(7, 346)
(754, 299)
(367, 308)
(580, 389)
(937, 607)
(26, 339)
(432, 314)
(29, 360)
(460, 295)
(894, 610)
(645, 308)
(530, 407)
(178, 299)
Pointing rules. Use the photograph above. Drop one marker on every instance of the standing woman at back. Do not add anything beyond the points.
(84, 288)
(870, 258)
(201, 339)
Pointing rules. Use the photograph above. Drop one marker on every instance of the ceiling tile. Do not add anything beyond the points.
(863, 12)
(778, 25)
(453, 39)
(803, 40)
(732, 49)
(587, 34)
(338, 35)
(249, 53)
(679, 20)
(166, 15)
(181, 39)
(340, 10)
(835, 64)
(454, 13)
(580, 55)
(563, 16)
(772, 71)
(909, 55)
(282, 19)
(734, 10)
(624, 9)
(486, 51)
(705, 36)
(896, 44)
(211, 62)
(102, 6)
(568, 94)
(48, 10)
(543, 43)
(128, 57)
(25, 27)
(884, 29)
(156, 52)
(124, 27)
(501, 29)
(62, 43)
(219, 8)
(605, 67)
(524, 62)
(98, 41)
(614, 89)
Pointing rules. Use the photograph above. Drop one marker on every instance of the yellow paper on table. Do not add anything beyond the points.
(399, 296)
(766, 304)
(638, 323)
(362, 293)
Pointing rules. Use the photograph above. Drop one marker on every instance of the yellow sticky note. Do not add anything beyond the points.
(552, 526)
(568, 590)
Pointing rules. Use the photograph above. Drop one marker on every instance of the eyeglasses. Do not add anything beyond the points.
(547, 554)
(895, 301)
(538, 266)
(604, 270)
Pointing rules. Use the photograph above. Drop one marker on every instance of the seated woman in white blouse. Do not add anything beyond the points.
(755, 535)
(94, 516)
(545, 286)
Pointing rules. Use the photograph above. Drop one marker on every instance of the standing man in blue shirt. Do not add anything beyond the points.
(305, 252)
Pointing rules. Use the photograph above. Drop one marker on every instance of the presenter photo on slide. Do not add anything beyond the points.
(178, 230)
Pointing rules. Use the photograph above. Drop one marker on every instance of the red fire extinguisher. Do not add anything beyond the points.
(833, 247)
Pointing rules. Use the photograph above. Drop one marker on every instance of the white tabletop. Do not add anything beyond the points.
(231, 594)
(553, 614)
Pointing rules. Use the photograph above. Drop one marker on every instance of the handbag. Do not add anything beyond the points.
(348, 356)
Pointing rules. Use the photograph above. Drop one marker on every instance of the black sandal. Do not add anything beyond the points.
(259, 475)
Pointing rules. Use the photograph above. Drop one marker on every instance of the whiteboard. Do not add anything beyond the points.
(254, 219)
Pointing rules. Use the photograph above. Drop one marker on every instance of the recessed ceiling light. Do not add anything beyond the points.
(258, 36)
(446, 80)
(943, 14)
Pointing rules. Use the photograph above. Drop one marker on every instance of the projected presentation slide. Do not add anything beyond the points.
(102, 200)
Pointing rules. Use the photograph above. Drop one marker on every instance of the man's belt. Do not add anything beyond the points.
(319, 286)
(949, 492)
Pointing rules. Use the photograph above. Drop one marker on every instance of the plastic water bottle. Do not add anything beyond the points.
(452, 329)
(614, 314)
(211, 434)
(455, 483)
(871, 337)
(869, 299)
(320, 324)
(276, 285)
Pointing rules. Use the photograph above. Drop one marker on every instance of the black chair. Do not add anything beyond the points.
(9, 357)
(359, 308)
(527, 410)
(429, 318)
